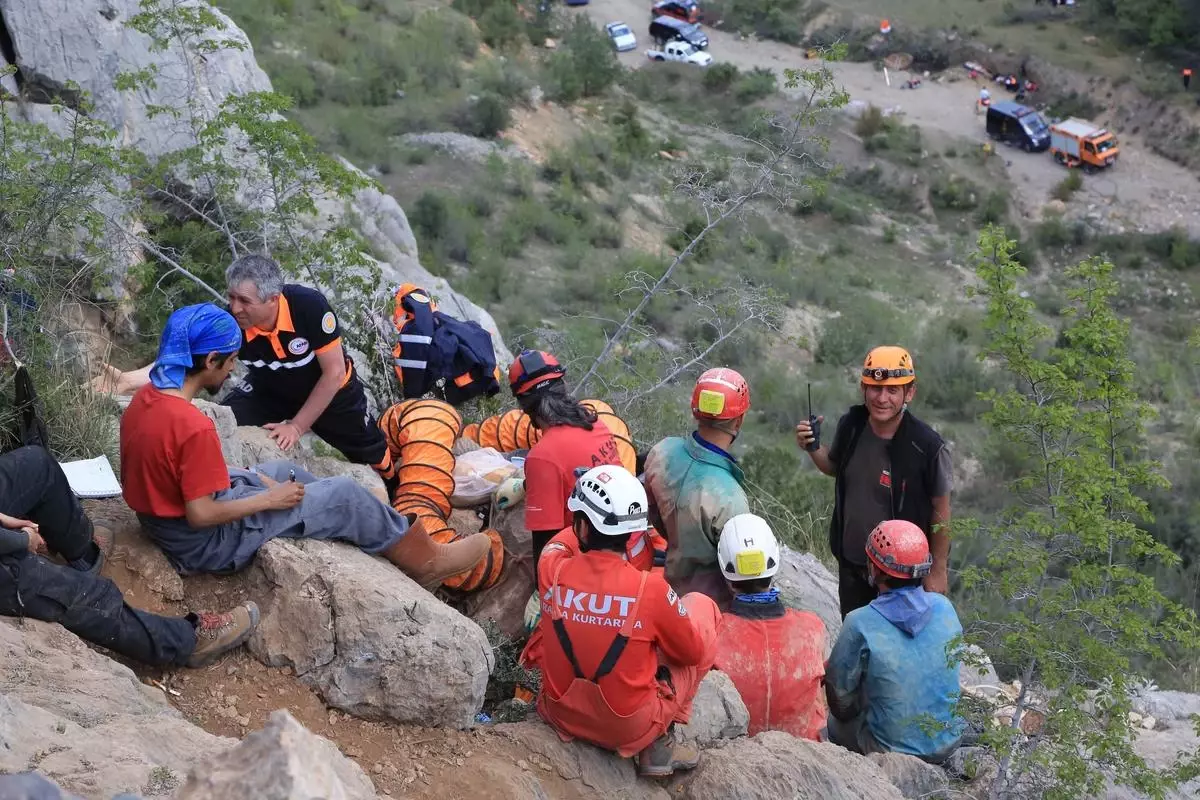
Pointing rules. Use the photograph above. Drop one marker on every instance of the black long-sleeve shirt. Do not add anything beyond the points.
(13, 542)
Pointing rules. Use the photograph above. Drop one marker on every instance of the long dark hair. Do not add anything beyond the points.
(550, 406)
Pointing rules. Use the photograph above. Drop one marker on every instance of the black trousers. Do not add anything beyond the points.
(346, 425)
(33, 487)
(854, 590)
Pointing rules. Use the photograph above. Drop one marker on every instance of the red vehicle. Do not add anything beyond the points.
(686, 10)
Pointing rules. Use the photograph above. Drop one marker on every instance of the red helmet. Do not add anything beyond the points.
(900, 549)
(531, 369)
(720, 393)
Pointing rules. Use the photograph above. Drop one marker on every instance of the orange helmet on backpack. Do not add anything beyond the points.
(720, 393)
(899, 549)
(531, 369)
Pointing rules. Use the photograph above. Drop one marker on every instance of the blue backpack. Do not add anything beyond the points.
(437, 353)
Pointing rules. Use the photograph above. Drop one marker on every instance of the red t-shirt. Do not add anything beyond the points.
(550, 471)
(170, 454)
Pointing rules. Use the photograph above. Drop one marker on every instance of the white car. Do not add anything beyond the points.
(622, 37)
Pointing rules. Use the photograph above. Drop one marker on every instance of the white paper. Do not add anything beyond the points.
(92, 478)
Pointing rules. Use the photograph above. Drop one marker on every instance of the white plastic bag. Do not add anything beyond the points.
(477, 474)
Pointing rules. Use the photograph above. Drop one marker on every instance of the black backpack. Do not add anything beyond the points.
(26, 428)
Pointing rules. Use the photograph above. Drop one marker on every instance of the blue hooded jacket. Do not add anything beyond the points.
(895, 656)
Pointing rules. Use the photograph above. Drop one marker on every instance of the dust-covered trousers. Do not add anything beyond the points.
(337, 509)
(33, 487)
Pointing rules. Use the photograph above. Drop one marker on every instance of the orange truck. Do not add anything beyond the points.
(1079, 143)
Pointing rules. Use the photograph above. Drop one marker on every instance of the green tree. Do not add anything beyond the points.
(1067, 602)
(584, 65)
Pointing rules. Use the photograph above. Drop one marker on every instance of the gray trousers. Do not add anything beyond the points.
(336, 509)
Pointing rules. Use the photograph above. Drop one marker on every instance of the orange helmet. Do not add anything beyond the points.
(720, 393)
(888, 366)
(900, 549)
(531, 369)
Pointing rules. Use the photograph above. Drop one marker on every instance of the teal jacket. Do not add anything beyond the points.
(695, 491)
(896, 661)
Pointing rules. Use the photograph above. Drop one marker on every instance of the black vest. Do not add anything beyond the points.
(913, 452)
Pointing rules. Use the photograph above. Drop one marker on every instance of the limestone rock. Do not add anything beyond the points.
(90, 42)
(283, 761)
(978, 678)
(370, 640)
(604, 772)
(969, 763)
(913, 777)
(133, 550)
(84, 720)
(773, 765)
(717, 712)
(1168, 705)
(805, 584)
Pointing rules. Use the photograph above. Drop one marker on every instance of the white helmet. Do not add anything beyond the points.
(613, 500)
(747, 549)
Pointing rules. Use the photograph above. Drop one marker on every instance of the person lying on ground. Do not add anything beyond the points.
(210, 518)
(774, 655)
(621, 655)
(695, 484)
(892, 678)
(42, 516)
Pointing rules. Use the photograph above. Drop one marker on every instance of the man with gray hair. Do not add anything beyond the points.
(300, 377)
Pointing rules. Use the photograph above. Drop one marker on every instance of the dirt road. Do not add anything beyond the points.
(1143, 192)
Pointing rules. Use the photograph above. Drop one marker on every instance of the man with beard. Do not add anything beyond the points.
(887, 464)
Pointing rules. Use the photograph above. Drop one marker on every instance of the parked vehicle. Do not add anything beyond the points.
(577, 2)
(666, 29)
(1079, 143)
(1018, 125)
(621, 36)
(686, 10)
(680, 51)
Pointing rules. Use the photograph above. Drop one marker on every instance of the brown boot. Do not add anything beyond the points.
(665, 755)
(217, 634)
(428, 562)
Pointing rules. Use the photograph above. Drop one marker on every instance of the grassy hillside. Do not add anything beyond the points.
(547, 241)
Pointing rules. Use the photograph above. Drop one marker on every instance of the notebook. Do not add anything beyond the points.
(92, 478)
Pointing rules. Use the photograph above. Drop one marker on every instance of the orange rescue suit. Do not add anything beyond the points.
(514, 430)
(776, 659)
(599, 688)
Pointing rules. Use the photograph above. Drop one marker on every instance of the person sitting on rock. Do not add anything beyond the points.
(695, 484)
(572, 437)
(774, 655)
(621, 655)
(209, 518)
(891, 681)
(300, 378)
(42, 516)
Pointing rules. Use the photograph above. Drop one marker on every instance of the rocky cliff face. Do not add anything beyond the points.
(58, 44)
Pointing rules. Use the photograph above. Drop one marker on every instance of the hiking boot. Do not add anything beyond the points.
(665, 755)
(217, 634)
(428, 562)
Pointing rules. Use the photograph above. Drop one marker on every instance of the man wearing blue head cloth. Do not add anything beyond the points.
(209, 518)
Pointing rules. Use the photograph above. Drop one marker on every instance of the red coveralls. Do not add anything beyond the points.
(776, 661)
(606, 627)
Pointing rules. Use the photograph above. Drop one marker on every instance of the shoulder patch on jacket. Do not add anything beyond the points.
(328, 322)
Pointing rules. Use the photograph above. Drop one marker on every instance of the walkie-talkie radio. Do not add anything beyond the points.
(814, 424)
